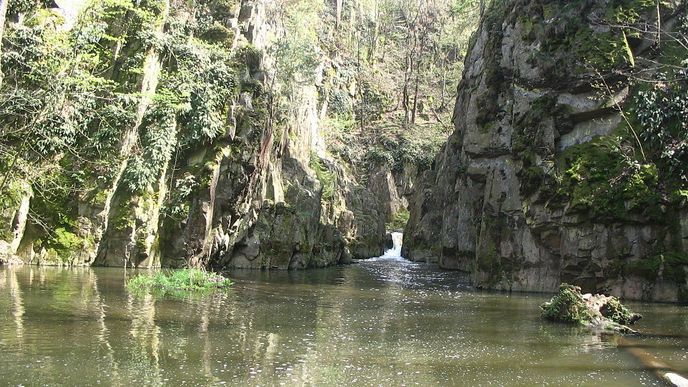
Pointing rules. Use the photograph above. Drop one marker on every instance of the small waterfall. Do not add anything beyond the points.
(395, 251)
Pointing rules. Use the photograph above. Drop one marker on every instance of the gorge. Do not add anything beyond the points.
(390, 188)
(234, 134)
(219, 139)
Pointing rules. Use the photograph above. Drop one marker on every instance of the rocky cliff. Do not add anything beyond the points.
(554, 172)
(207, 154)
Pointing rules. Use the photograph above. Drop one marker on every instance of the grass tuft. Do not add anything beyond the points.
(178, 282)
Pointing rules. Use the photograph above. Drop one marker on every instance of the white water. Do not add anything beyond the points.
(395, 251)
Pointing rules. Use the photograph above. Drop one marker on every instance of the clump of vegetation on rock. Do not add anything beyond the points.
(567, 306)
(399, 221)
(598, 312)
(178, 281)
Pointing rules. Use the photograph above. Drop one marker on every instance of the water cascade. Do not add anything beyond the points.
(395, 251)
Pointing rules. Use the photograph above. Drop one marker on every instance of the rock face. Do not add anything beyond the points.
(261, 194)
(502, 200)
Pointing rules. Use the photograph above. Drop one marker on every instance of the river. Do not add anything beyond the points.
(383, 321)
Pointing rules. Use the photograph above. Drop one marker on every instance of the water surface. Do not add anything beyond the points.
(380, 322)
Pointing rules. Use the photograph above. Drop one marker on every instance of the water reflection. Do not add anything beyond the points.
(14, 304)
(386, 322)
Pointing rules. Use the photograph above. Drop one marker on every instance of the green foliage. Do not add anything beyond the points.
(418, 150)
(661, 113)
(200, 86)
(10, 198)
(54, 195)
(211, 14)
(250, 56)
(415, 146)
(298, 51)
(378, 155)
(16, 7)
(567, 306)
(64, 92)
(193, 99)
(177, 207)
(65, 243)
(399, 220)
(218, 33)
(177, 282)
(340, 103)
(327, 178)
(55, 103)
(158, 141)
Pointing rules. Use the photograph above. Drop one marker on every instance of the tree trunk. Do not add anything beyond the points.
(415, 98)
(375, 37)
(405, 91)
(338, 11)
(3, 14)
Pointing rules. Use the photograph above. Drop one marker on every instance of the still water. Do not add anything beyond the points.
(379, 322)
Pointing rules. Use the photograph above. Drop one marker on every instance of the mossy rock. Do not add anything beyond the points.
(567, 306)
(618, 313)
(597, 312)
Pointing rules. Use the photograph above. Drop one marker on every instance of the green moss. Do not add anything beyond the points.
(628, 11)
(490, 264)
(672, 265)
(327, 178)
(602, 180)
(527, 142)
(647, 268)
(124, 217)
(567, 306)
(683, 294)
(571, 46)
(675, 265)
(493, 74)
(619, 313)
(491, 268)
